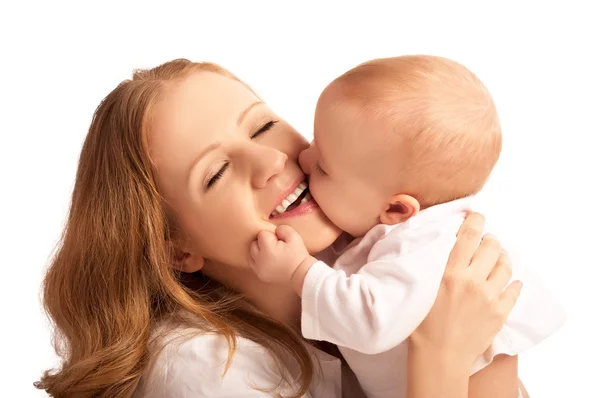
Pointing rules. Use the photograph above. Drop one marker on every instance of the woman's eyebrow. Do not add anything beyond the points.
(205, 151)
(245, 111)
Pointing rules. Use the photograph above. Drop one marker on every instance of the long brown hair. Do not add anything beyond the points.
(111, 282)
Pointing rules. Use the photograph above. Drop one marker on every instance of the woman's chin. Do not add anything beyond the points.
(318, 232)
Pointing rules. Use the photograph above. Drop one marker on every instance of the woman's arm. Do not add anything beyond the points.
(524, 393)
(444, 378)
(469, 311)
(435, 374)
(497, 380)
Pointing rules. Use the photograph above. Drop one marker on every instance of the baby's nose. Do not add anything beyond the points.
(304, 160)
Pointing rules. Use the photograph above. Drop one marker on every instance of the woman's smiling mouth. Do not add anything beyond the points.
(295, 202)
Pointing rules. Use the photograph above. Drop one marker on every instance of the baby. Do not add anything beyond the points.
(401, 145)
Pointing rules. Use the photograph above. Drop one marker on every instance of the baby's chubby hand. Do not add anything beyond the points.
(275, 256)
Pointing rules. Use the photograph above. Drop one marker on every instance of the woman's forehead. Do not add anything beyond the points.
(196, 111)
(203, 100)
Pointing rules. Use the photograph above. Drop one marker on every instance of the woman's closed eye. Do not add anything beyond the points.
(266, 127)
(217, 176)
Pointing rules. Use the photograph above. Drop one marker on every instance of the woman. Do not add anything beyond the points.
(150, 291)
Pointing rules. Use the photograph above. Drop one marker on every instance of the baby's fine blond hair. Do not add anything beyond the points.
(439, 119)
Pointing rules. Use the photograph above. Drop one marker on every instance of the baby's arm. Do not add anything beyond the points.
(377, 308)
(371, 311)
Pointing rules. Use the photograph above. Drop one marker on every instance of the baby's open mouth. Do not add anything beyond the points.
(299, 196)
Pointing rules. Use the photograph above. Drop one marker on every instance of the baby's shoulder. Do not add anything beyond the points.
(409, 238)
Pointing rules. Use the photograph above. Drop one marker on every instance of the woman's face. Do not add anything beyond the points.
(224, 162)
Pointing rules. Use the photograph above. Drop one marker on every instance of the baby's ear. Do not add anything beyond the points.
(399, 208)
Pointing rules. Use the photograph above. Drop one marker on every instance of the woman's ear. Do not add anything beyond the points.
(185, 261)
(399, 208)
(192, 263)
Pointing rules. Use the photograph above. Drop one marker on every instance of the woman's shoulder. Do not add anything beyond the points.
(190, 362)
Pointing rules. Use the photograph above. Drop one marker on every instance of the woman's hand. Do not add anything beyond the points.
(472, 302)
(470, 309)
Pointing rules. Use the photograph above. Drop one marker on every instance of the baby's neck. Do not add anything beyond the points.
(277, 301)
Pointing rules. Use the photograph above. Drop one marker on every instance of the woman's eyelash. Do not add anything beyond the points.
(217, 175)
(266, 127)
(320, 170)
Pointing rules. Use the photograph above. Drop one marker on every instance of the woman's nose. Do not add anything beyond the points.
(268, 163)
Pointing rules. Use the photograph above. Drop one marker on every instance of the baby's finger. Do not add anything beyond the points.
(286, 233)
(253, 253)
(266, 239)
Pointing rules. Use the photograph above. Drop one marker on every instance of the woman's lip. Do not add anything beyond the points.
(291, 188)
(300, 210)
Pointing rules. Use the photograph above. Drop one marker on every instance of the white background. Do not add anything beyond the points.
(540, 61)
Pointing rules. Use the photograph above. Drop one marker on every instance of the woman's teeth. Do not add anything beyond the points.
(291, 198)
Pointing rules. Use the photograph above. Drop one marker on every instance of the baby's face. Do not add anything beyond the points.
(346, 170)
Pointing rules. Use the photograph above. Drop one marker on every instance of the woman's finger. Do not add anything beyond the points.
(467, 240)
(485, 258)
(500, 275)
(509, 297)
(266, 239)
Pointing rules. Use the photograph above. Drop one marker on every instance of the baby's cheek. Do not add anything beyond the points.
(332, 202)
(318, 190)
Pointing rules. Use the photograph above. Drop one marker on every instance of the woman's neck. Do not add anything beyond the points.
(277, 301)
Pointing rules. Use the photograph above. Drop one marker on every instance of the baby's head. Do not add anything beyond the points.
(396, 135)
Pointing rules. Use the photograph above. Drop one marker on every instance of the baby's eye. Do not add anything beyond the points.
(320, 170)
